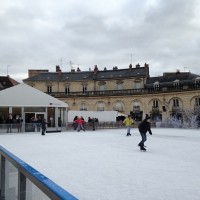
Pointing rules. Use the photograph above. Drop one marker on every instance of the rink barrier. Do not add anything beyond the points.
(20, 181)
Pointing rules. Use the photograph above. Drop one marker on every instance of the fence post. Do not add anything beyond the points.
(2, 178)
(21, 187)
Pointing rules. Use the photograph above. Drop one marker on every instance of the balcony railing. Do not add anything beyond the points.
(175, 108)
(122, 92)
(155, 108)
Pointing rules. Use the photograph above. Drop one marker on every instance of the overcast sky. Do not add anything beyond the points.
(42, 34)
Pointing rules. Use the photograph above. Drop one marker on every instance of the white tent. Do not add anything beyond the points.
(29, 98)
(26, 96)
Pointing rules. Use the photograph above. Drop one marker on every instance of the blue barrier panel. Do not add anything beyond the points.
(51, 189)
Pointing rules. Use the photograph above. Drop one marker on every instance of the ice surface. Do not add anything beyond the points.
(107, 165)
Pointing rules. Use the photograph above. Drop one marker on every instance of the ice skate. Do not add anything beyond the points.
(142, 149)
(140, 145)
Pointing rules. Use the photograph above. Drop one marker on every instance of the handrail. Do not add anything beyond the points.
(48, 187)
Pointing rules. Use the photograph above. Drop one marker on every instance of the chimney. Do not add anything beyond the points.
(78, 69)
(95, 69)
(137, 66)
(58, 68)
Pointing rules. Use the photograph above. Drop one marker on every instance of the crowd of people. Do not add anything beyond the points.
(80, 124)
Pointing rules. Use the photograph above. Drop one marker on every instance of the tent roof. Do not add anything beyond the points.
(23, 95)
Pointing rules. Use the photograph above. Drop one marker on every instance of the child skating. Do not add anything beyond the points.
(128, 122)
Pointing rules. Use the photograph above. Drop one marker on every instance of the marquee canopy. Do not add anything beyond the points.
(23, 95)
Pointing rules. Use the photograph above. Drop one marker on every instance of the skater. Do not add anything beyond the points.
(74, 123)
(91, 122)
(43, 126)
(9, 122)
(19, 124)
(80, 121)
(128, 122)
(143, 127)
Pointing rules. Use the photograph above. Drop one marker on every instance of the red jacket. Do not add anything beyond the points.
(79, 121)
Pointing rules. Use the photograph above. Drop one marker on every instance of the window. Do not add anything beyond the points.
(197, 101)
(176, 83)
(49, 89)
(136, 106)
(83, 106)
(120, 86)
(67, 90)
(197, 82)
(175, 102)
(118, 106)
(84, 89)
(138, 85)
(156, 85)
(155, 103)
(100, 106)
(102, 87)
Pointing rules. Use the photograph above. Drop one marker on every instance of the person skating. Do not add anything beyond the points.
(80, 121)
(43, 124)
(128, 122)
(143, 127)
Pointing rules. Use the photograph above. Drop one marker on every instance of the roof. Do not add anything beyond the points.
(90, 75)
(171, 77)
(6, 82)
(23, 95)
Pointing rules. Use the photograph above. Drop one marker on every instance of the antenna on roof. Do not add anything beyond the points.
(7, 69)
(131, 55)
(71, 65)
(61, 60)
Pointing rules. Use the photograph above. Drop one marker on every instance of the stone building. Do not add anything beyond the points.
(130, 91)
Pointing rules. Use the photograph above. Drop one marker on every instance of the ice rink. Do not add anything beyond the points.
(106, 165)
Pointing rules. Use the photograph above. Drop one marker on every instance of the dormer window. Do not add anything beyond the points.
(197, 82)
(176, 83)
(156, 85)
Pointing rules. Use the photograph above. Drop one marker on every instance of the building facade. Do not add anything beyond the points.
(129, 91)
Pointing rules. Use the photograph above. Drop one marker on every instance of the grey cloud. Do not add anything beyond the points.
(162, 33)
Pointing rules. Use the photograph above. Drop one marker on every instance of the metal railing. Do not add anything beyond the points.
(124, 92)
(24, 127)
(19, 181)
(97, 125)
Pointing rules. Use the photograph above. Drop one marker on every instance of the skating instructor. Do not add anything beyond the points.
(143, 127)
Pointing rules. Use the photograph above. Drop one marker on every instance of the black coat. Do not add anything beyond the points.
(145, 126)
(44, 125)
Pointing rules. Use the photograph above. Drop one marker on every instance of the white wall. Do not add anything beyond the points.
(103, 116)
